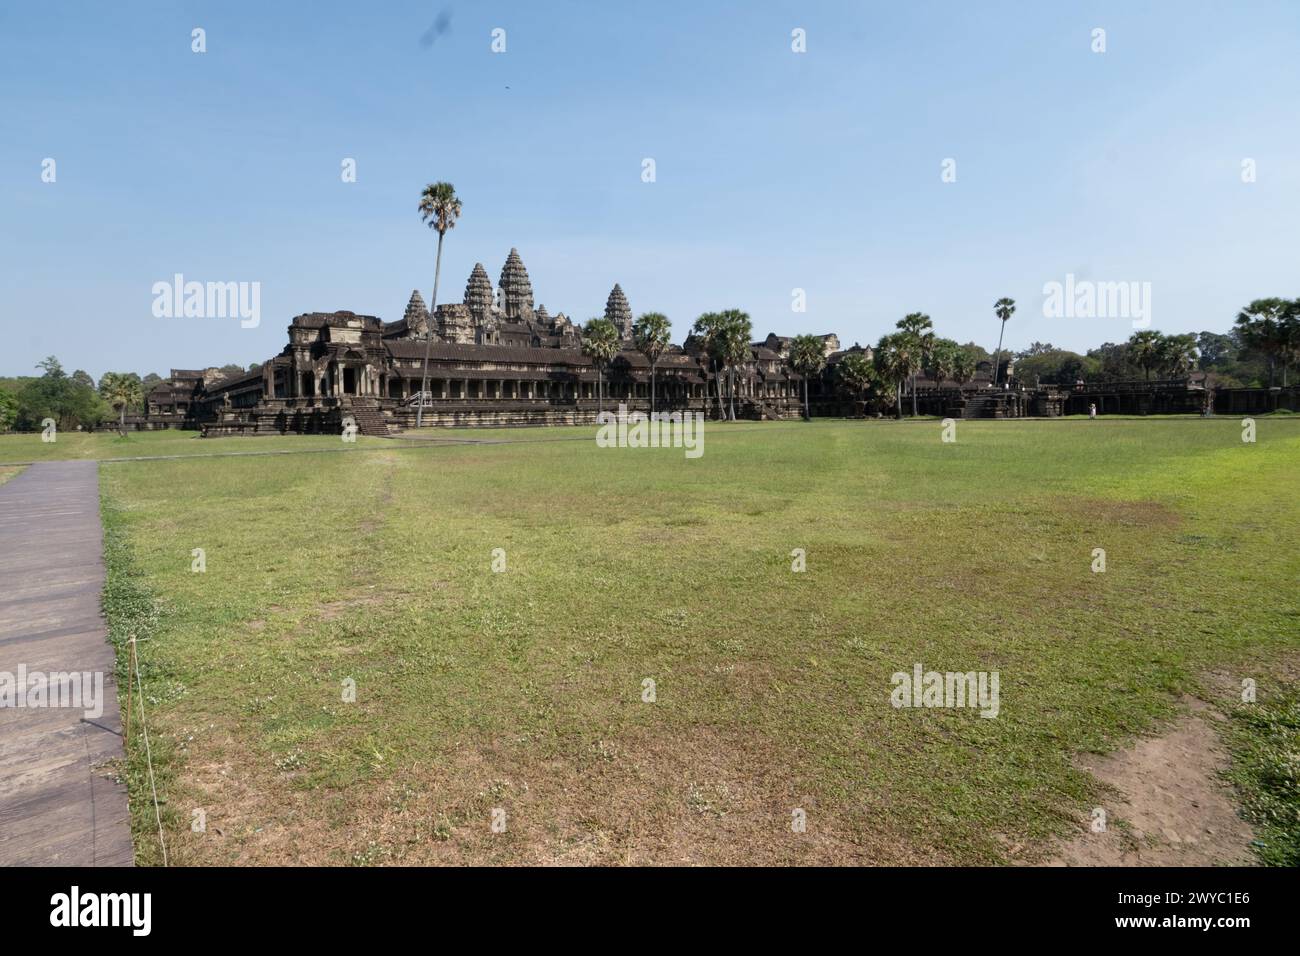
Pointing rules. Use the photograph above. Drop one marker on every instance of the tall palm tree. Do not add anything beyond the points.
(735, 331)
(121, 389)
(1004, 309)
(918, 327)
(650, 333)
(439, 208)
(600, 343)
(897, 357)
(708, 332)
(807, 358)
(1147, 347)
(1260, 327)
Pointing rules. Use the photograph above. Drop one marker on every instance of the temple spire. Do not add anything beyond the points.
(619, 312)
(516, 289)
(478, 294)
(416, 315)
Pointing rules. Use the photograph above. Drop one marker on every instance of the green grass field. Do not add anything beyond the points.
(522, 690)
(106, 446)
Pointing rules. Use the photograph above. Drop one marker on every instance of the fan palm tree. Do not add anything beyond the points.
(897, 357)
(807, 358)
(1178, 354)
(121, 389)
(735, 331)
(600, 343)
(918, 327)
(650, 333)
(1260, 327)
(963, 365)
(1147, 347)
(1004, 309)
(439, 208)
(856, 373)
(707, 330)
(941, 362)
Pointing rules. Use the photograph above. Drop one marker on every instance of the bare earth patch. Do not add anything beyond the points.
(639, 802)
(1171, 808)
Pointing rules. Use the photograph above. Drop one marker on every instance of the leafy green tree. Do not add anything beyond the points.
(1289, 329)
(980, 353)
(8, 409)
(1038, 348)
(1214, 349)
(56, 395)
(439, 208)
(941, 362)
(80, 377)
(600, 343)
(651, 335)
(1051, 368)
(807, 358)
(1115, 362)
(52, 368)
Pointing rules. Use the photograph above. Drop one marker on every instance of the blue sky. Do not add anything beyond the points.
(775, 170)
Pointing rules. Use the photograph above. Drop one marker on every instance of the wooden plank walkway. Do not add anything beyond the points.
(55, 807)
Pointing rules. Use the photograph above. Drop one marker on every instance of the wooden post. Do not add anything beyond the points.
(130, 686)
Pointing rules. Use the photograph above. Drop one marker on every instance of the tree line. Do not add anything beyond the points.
(1260, 350)
(77, 401)
(1262, 346)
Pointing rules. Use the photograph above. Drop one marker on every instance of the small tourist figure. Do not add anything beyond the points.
(1092, 410)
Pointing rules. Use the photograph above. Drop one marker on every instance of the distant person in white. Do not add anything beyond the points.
(1092, 410)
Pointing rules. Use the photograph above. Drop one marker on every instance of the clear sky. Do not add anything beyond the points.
(774, 170)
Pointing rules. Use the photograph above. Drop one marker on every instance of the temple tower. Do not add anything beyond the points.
(517, 290)
(416, 315)
(619, 312)
(478, 294)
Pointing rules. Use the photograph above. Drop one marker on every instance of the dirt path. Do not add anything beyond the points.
(1171, 808)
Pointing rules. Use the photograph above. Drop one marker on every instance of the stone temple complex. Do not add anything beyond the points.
(494, 358)
(497, 358)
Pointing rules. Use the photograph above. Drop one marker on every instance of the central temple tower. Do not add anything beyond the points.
(516, 289)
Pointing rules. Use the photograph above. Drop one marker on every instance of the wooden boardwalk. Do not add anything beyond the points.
(56, 808)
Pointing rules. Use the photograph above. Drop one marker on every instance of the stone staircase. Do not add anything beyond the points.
(979, 406)
(370, 420)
